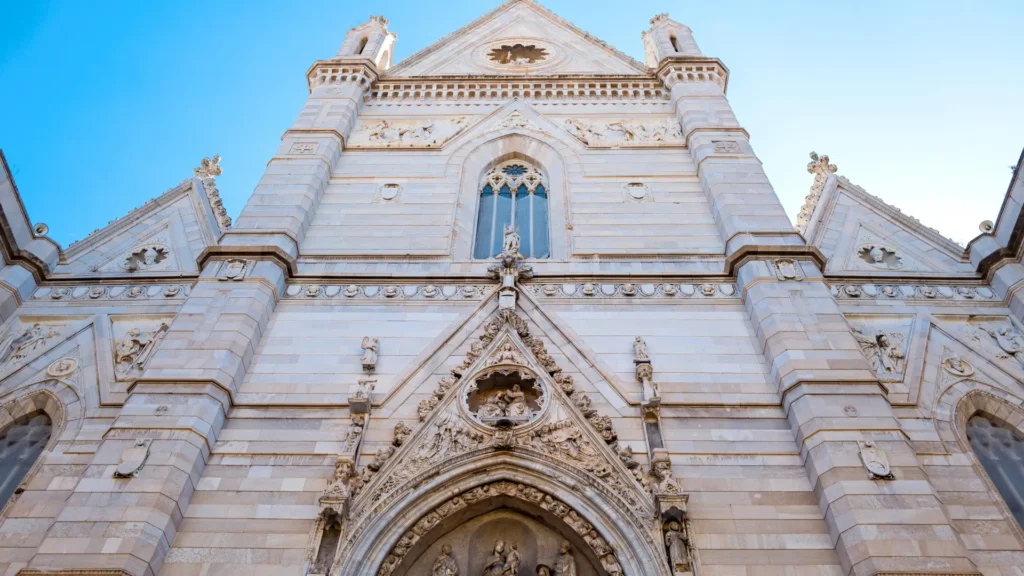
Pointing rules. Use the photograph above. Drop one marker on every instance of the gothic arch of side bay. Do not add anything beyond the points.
(516, 304)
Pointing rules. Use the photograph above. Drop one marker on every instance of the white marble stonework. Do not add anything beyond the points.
(373, 372)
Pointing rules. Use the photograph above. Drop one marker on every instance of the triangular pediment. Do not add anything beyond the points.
(473, 411)
(519, 38)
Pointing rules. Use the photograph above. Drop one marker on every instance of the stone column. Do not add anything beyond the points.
(125, 511)
(279, 212)
(742, 200)
(834, 402)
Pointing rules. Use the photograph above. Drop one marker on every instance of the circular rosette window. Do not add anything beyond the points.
(505, 397)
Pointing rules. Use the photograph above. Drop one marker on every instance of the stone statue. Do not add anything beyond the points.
(494, 407)
(517, 406)
(640, 350)
(543, 570)
(495, 565)
(611, 565)
(370, 346)
(565, 565)
(675, 542)
(445, 565)
(510, 244)
(661, 469)
(512, 562)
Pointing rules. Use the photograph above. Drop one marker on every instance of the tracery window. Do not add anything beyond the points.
(1000, 449)
(21, 443)
(513, 194)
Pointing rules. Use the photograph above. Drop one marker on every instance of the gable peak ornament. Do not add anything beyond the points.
(821, 168)
(208, 169)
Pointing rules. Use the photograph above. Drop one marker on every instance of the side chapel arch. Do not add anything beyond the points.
(969, 397)
(476, 157)
(54, 399)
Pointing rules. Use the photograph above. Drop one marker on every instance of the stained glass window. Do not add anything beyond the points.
(21, 443)
(1001, 452)
(525, 209)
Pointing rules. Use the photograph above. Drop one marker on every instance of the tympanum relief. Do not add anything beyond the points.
(626, 132)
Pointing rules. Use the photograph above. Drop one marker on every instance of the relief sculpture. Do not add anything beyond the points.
(135, 348)
(625, 132)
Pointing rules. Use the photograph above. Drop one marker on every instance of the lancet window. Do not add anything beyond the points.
(513, 194)
(1000, 449)
(21, 443)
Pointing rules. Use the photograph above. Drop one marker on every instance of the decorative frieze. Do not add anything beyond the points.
(911, 292)
(626, 133)
(386, 292)
(112, 292)
(630, 290)
(404, 91)
(406, 133)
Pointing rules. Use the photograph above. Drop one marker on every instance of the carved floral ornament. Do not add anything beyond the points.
(821, 168)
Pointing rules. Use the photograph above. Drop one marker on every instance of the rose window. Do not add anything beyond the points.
(518, 54)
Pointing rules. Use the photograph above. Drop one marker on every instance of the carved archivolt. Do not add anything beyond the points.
(598, 545)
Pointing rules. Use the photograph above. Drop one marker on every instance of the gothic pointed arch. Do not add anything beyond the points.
(555, 443)
(33, 419)
(514, 132)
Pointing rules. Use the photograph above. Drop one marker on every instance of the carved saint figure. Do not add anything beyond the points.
(880, 349)
(338, 488)
(640, 350)
(512, 562)
(1008, 340)
(495, 565)
(445, 565)
(517, 406)
(565, 565)
(510, 244)
(506, 354)
(369, 346)
(134, 349)
(494, 407)
(20, 346)
(661, 468)
(675, 542)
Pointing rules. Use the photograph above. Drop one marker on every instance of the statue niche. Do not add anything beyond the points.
(505, 398)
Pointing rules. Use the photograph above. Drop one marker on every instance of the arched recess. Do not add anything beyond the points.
(59, 402)
(477, 156)
(971, 398)
(539, 487)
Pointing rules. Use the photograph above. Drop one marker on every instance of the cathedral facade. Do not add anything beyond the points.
(518, 304)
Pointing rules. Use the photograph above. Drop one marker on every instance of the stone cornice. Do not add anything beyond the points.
(673, 69)
(271, 253)
(754, 252)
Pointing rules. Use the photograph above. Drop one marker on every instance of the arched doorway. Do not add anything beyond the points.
(503, 532)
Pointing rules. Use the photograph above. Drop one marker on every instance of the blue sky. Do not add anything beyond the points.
(104, 105)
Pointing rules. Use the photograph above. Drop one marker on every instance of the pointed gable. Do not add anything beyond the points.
(518, 38)
(861, 234)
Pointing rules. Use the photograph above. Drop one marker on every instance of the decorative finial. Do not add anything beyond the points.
(209, 168)
(659, 18)
(820, 165)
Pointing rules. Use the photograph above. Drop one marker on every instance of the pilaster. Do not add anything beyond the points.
(842, 422)
(281, 207)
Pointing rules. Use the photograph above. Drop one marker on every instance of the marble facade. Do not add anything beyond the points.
(687, 385)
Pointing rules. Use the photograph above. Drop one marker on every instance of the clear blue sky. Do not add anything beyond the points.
(104, 105)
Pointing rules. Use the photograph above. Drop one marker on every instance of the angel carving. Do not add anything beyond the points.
(884, 350)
